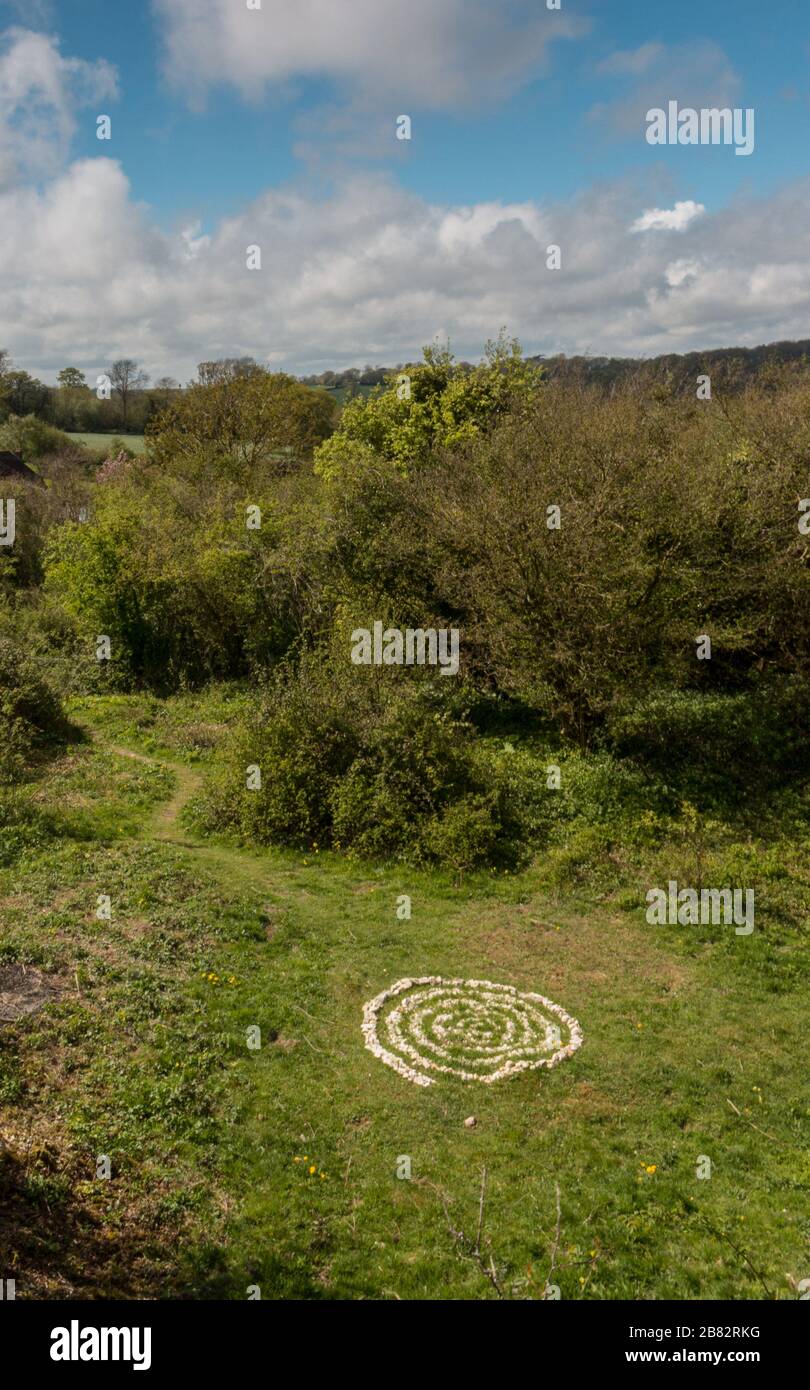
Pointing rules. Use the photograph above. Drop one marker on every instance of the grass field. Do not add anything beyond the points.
(104, 441)
(694, 1045)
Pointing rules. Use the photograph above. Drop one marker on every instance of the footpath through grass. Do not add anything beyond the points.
(278, 1167)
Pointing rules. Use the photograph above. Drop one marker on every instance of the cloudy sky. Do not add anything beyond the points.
(276, 127)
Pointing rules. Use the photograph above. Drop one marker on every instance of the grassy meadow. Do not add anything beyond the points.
(97, 442)
(692, 1047)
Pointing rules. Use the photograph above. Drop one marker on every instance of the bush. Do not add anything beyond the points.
(370, 762)
(31, 714)
(438, 403)
(232, 428)
(673, 522)
(168, 569)
(31, 437)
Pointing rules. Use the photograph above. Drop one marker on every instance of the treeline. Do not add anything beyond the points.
(731, 369)
(352, 377)
(116, 401)
(130, 404)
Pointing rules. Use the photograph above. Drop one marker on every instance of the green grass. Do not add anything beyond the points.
(694, 1045)
(135, 442)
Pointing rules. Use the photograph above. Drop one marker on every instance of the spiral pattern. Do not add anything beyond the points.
(471, 1029)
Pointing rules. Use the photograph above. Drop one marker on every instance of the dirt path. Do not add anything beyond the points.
(166, 820)
(226, 863)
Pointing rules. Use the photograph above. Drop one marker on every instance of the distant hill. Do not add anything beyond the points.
(732, 367)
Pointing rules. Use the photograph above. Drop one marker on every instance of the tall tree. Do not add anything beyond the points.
(70, 378)
(126, 377)
(25, 394)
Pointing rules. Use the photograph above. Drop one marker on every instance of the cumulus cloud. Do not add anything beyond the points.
(439, 53)
(372, 271)
(364, 269)
(675, 219)
(40, 91)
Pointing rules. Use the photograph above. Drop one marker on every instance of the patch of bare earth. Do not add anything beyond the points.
(24, 990)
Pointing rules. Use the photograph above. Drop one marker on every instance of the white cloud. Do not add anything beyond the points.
(679, 272)
(39, 93)
(372, 272)
(675, 219)
(439, 53)
(468, 228)
(369, 271)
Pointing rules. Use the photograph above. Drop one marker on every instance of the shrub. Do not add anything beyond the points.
(366, 761)
(31, 437)
(169, 571)
(31, 714)
(232, 428)
(439, 402)
(673, 522)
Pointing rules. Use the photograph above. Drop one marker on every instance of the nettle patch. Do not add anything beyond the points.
(473, 1030)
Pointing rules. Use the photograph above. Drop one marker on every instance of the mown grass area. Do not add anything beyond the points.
(135, 442)
(693, 1047)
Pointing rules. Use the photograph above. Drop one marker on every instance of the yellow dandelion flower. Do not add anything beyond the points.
(313, 1169)
(651, 1168)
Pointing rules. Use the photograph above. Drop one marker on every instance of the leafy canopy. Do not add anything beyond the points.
(438, 403)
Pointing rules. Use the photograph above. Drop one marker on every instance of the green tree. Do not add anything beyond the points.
(438, 402)
(71, 379)
(23, 394)
(239, 423)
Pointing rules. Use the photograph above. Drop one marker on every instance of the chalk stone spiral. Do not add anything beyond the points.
(473, 1030)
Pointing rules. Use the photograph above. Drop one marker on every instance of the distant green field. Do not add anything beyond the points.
(103, 441)
(339, 393)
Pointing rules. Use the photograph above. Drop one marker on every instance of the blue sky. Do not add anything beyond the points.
(221, 115)
(543, 142)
